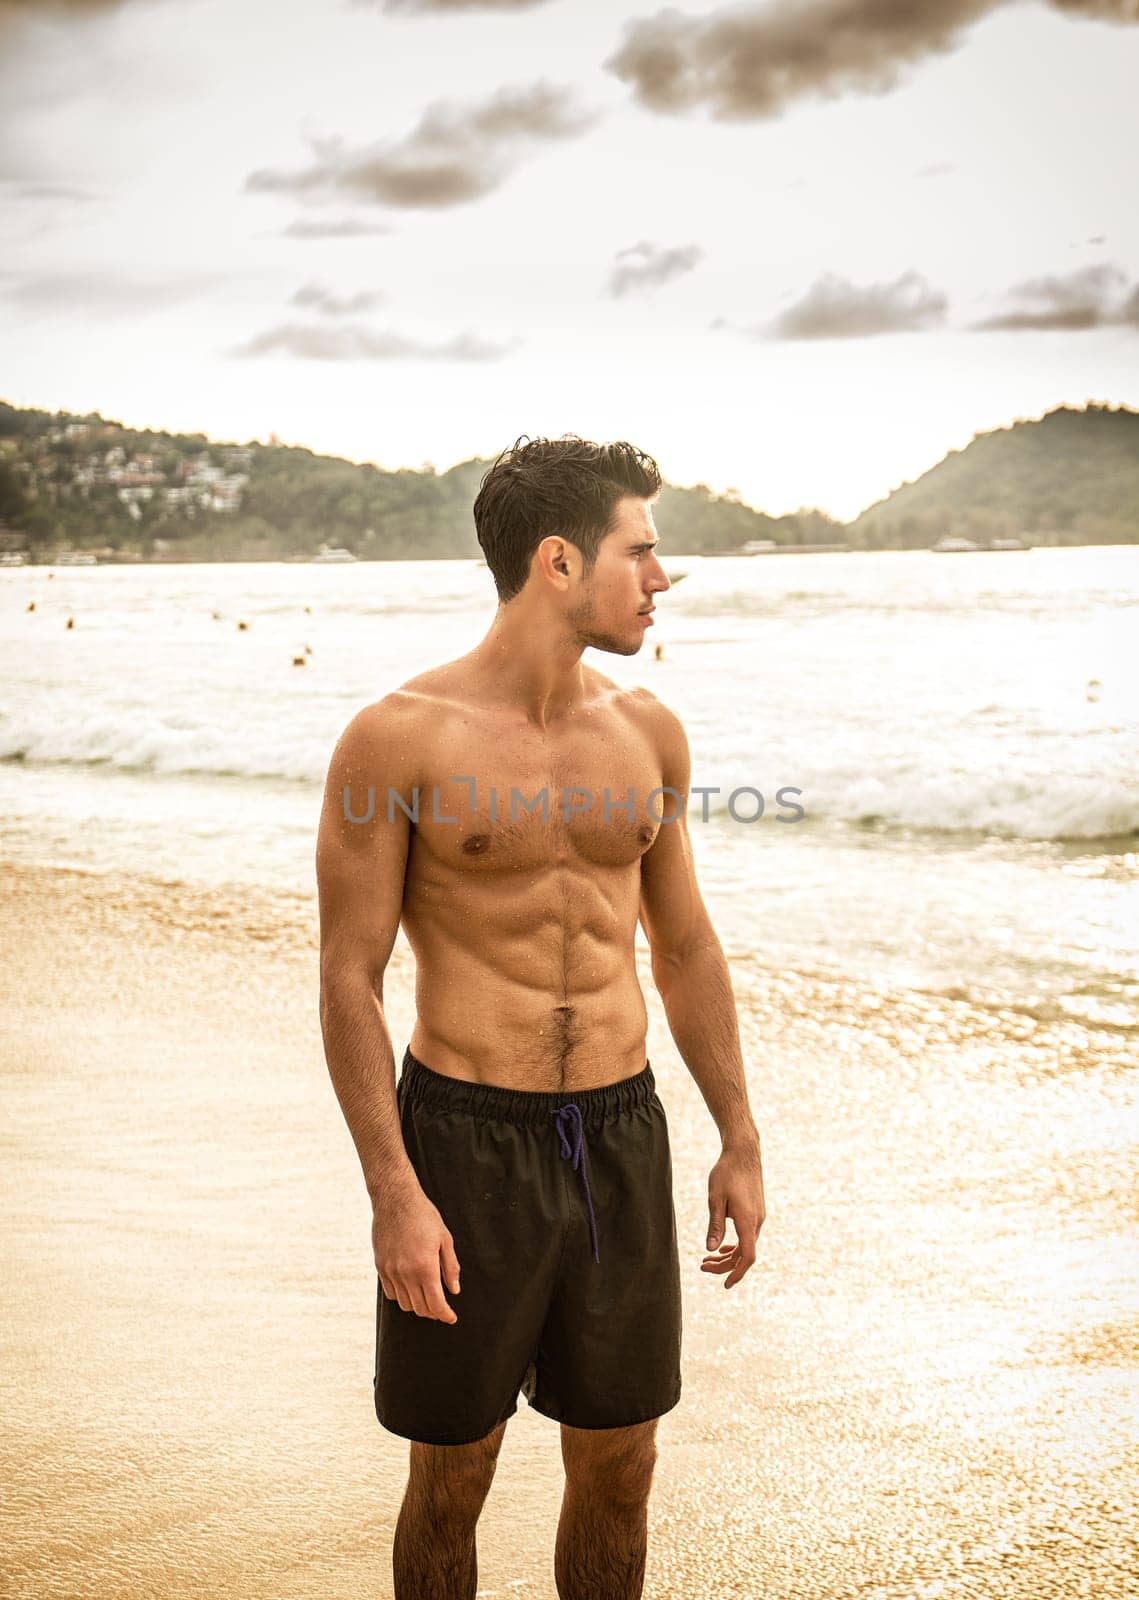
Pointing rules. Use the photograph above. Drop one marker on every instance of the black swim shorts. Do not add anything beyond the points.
(561, 1209)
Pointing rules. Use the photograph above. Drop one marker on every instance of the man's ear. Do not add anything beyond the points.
(558, 556)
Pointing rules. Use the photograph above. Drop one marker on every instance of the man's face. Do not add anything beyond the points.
(621, 589)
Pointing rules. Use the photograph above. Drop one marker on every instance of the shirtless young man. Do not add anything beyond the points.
(525, 1152)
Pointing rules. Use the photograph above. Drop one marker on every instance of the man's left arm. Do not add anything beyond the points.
(691, 975)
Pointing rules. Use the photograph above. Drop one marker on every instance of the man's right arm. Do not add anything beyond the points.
(361, 861)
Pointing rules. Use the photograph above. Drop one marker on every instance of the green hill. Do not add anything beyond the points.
(89, 483)
(1070, 478)
(92, 484)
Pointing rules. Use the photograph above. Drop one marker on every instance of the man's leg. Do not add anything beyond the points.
(434, 1552)
(603, 1531)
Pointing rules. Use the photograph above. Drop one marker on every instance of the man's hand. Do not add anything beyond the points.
(735, 1190)
(415, 1255)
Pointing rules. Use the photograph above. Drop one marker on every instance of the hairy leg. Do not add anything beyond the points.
(434, 1554)
(603, 1531)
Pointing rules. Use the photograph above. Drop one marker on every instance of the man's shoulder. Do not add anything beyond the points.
(417, 698)
(633, 698)
(649, 712)
(387, 735)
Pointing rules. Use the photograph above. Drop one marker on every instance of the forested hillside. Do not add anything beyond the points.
(91, 484)
(1070, 478)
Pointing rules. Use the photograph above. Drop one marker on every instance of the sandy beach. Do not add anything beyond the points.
(925, 1387)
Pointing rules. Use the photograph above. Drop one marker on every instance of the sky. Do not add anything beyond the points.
(797, 249)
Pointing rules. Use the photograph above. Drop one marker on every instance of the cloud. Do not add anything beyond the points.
(354, 342)
(319, 298)
(832, 308)
(1101, 10)
(65, 13)
(647, 266)
(750, 62)
(936, 169)
(1091, 297)
(15, 11)
(63, 8)
(332, 228)
(454, 154)
(107, 294)
(432, 6)
(51, 191)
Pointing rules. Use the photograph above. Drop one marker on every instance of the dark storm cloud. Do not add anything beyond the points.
(317, 297)
(454, 154)
(832, 308)
(749, 62)
(647, 266)
(107, 294)
(353, 342)
(333, 228)
(1075, 301)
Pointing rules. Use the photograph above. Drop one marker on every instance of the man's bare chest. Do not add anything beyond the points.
(495, 797)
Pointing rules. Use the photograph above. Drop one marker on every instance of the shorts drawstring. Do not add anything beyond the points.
(571, 1114)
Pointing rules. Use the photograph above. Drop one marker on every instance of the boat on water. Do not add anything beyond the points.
(13, 558)
(955, 546)
(753, 547)
(327, 554)
(771, 547)
(74, 558)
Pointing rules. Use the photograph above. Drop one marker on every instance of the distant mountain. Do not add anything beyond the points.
(1070, 478)
(89, 483)
(132, 494)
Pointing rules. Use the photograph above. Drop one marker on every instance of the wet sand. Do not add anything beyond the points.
(926, 1387)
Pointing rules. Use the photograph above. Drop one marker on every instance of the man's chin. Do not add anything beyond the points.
(614, 644)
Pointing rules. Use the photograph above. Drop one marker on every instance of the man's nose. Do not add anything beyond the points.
(658, 579)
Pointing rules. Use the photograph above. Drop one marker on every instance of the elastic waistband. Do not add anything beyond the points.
(435, 1091)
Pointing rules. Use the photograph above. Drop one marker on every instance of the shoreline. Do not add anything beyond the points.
(937, 1344)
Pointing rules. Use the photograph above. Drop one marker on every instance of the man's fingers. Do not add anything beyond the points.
(418, 1298)
(450, 1266)
(717, 1211)
(437, 1307)
(746, 1261)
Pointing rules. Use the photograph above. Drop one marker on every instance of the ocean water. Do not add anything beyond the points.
(924, 1387)
(962, 733)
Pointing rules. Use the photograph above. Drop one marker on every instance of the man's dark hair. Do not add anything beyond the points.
(565, 486)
